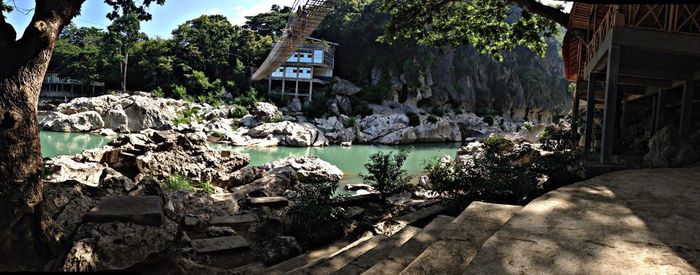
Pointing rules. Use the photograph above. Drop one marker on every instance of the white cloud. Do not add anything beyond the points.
(239, 13)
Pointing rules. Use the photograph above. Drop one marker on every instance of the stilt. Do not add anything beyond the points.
(590, 114)
(296, 90)
(687, 108)
(284, 79)
(624, 117)
(311, 85)
(574, 113)
(652, 124)
(660, 110)
(269, 84)
(611, 97)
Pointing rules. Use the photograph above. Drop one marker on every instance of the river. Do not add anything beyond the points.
(350, 160)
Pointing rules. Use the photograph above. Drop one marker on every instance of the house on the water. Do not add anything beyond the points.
(311, 64)
(54, 86)
(642, 55)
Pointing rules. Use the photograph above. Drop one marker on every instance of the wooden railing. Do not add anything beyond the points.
(683, 19)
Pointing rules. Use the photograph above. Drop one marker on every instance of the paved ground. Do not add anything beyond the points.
(631, 222)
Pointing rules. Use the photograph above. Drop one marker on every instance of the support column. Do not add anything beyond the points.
(284, 79)
(660, 110)
(269, 84)
(311, 85)
(611, 97)
(574, 112)
(590, 114)
(296, 90)
(687, 108)
(624, 117)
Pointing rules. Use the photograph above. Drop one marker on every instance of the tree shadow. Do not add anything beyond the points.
(635, 221)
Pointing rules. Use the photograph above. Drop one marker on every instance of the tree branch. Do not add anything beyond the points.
(545, 11)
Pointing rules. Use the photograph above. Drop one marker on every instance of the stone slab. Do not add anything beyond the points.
(380, 252)
(219, 244)
(462, 238)
(421, 214)
(269, 201)
(230, 220)
(628, 222)
(338, 260)
(146, 210)
(308, 258)
(399, 258)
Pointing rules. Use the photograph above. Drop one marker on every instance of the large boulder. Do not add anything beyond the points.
(440, 131)
(344, 87)
(309, 168)
(340, 105)
(372, 129)
(294, 105)
(99, 104)
(290, 134)
(267, 112)
(117, 119)
(114, 246)
(148, 113)
(668, 149)
(78, 122)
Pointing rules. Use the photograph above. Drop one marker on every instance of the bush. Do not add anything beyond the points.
(217, 134)
(311, 214)
(351, 122)
(238, 111)
(413, 119)
(181, 93)
(158, 92)
(489, 119)
(528, 125)
(386, 173)
(186, 116)
(438, 111)
(178, 183)
(207, 187)
(432, 119)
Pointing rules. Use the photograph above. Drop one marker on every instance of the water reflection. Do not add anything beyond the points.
(56, 144)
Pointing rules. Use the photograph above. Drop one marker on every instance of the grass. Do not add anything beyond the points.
(207, 187)
(178, 183)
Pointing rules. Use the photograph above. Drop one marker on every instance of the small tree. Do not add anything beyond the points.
(386, 173)
(312, 217)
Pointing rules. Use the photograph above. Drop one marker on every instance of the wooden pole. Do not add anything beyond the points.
(611, 97)
(311, 85)
(590, 114)
(660, 110)
(687, 107)
(284, 79)
(574, 112)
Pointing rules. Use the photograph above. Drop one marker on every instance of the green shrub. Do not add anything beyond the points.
(311, 213)
(438, 111)
(238, 111)
(351, 122)
(376, 94)
(207, 187)
(489, 119)
(177, 183)
(158, 92)
(186, 116)
(386, 173)
(432, 119)
(527, 125)
(498, 144)
(217, 134)
(413, 119)
(181, 93)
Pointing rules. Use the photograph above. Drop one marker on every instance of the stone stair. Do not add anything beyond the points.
(446, 245)
(462, 238)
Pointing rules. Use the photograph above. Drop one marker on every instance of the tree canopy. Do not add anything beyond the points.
(491, 26)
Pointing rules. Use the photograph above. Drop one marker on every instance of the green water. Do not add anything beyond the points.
(350, 160)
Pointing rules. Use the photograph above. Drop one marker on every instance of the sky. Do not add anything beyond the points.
(165, 18)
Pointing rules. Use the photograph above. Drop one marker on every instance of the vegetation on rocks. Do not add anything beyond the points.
(413, 119)
(178, 183)
(386, 174)
(311, 209)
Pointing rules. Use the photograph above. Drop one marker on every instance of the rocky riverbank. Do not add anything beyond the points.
(264, 124)
(121, 207)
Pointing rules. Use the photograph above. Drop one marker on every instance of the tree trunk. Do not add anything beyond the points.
(21, 165)
(126, 65)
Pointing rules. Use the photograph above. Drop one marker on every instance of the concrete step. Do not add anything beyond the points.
(338, 260)
(401, 257)
(311, 257)
(462, 238)
(424, 213)
(380, 252)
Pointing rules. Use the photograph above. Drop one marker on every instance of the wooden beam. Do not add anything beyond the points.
(648, 82)
(611, 97)
(574, 112)
(687, 108)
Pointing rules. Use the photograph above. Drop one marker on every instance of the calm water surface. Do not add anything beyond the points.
(350, 160)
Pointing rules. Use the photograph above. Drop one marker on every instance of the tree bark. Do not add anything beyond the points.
(126, 65)
(21, 165)
(545, 11)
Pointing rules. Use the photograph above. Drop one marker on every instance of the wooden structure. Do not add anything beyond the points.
(305, 18)
(54, 86)
(619, 53)
(312, 62)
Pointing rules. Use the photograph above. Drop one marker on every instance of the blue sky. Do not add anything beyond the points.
(165, 18)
